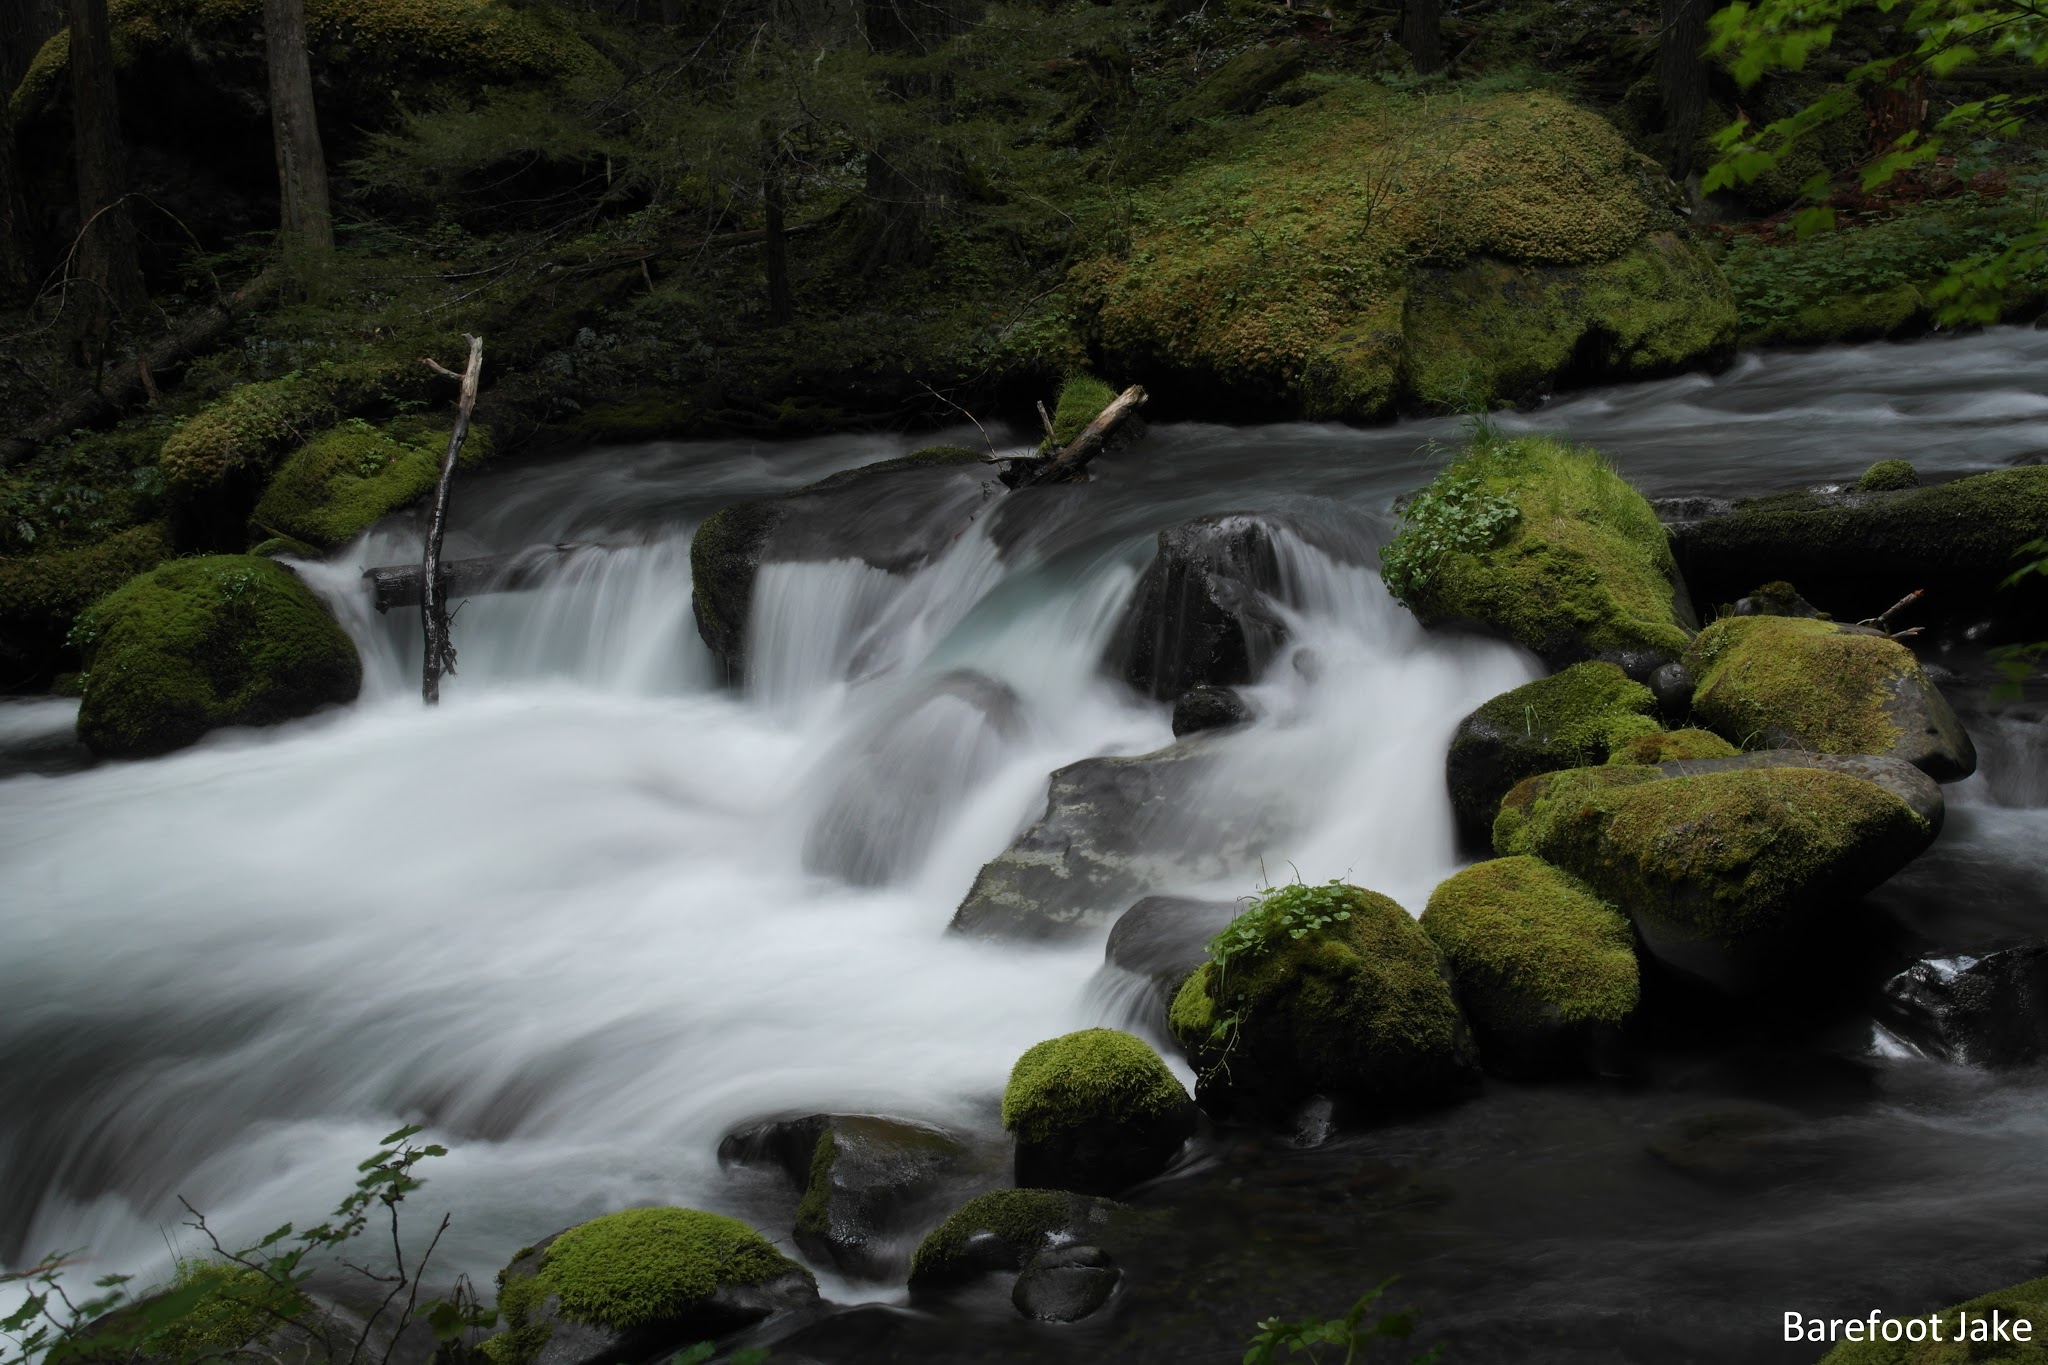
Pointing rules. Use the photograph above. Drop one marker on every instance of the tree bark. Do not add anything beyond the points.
(104, 271)
(1070, 464)
(17, 252)
(305, 222)
(440, 655)
(1422, 35)
(399, 585)
(1682, 80)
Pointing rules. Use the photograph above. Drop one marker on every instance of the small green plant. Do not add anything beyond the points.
(1319, 1339)
(1449, 516)
(1289, 913)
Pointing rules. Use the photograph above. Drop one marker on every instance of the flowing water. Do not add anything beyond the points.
(597, 910)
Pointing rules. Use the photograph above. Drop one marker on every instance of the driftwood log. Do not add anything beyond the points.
(398, 585)
(1072, 463)
(434, 624)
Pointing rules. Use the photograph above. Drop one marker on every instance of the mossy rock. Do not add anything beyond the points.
(1241, 84)
(1082, 399)
(239, 436)
(1571, 719)
(1965, 1342)
(200, 643)
(1783, 682)
(632, 1285)
(339, 484)
(1888, 476)
(1545, 970)
(1282, 272)
(1002, 1231)
(1541, 541)
(1094, 1112)
(1727, 868)
(1357, 1009)
(1670, 746)
(42, 594)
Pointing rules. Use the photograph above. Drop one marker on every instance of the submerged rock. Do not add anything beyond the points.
(1209, 708)
(1066, 1284)
(1002, 1231)
(1095, 1112)
(1988, 1010)
(1778, 599)
(1199, 614)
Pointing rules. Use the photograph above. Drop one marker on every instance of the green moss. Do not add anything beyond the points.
(1774, 682)
(1020, 1219)
(1672, 745)
(1585, 568)
(646, 418)
(1582, 712)
(628, 1270)
(200, 643)
(244, 431)
(1082, 399)
(1721, 854)
(1888, 476)
(813, 1211)
(340, 483)
(235, 1306)
(276, 547)
(41, 595)
(1241, 84)
(1093, 1076)
(2022, 1302)
(1530, 945)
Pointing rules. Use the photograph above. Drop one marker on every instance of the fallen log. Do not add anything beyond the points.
(398, 585)
(1072, 463)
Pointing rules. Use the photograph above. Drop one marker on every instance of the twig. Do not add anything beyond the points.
(993, 456)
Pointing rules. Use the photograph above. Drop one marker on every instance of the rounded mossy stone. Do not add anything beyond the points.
(41, 595)
(1575, 717)
(1670, 745)
(242, 433)
(340, 483)
(1094, 1111)
(1534, 952)
(1356, 1007)
(654, 1276)
(1544, 542)
(196, 644)
(1888, 476)
(1785, 682)
(1000, 1230)
(2026, 1302)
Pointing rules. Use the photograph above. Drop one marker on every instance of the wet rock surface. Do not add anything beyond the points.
(1066, 1284)
(1978, 1010)
(1200, 614)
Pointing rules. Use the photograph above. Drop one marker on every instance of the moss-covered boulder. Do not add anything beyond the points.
(1362, 248)
(1569, 720)
(1965, 1333)
(1324, 990)
(1888, 476)
(1002, 1231)
(339, 484)
(1095, 1112)
(895, 515)
(1545, 970)
(1541, 541)
(41, 596)
(200, 643)
(637, 1284)
(1726, 865)
(237, 439)
(1670, 746)
(1781, 682)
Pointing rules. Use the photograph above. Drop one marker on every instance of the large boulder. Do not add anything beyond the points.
(1544, 543)
(196, 644)
(640, 1283)
(1988, 1009)
(1065, 1284)
(337, 485)
(1363, 249)
(1725, 865)
(1095, 1112)
(896, 515)
(1324, 990)
(1003, 1231)
(1783, 682)
(1545, 969)
(1569, 720)
(1200, 615)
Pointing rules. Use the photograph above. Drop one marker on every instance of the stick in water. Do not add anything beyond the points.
(440, 656)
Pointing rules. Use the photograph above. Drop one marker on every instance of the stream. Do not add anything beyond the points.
(596, 910)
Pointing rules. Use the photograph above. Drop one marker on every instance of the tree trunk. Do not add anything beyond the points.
(1682, 80)
(17, 254)
(774, 246)
(1422, 35)
(305, 224)
(105, 275)
(911, 180)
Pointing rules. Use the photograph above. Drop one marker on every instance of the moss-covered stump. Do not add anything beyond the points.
(1545, 970)
(1965, 1334)
(1002, 1231)
(640, 1283)
(1355, 1008)
(1094, 1112)
(1858, 553)
(1568, 720)
(200, 643)
(41, 596)
(1782, 682)
(1542, 542)
(895, 515)
(339, 484)
(1725, 865)
(1282, 272)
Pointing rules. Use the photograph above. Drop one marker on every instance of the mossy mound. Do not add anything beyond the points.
(1669, 746)
(1783, 682)
(1542, 541)
(1094, 1111)
(1888, 476)
(1961, 1343)
(1082, 399)
(1283, 269)
(1354, 1007)
(648, 1280)
(1569, 720)
(241, 434)
(42, 594)
(999, 1231)
(336, 486)
(200, 643)
(1540, 962)
(1722, 871)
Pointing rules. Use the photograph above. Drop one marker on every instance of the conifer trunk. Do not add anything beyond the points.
(1422, 35)
(107, 278)
(774, 246)
(305, 222)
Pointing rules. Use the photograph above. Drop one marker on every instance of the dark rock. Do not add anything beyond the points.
(1165, 938)
(1980, 1011)
(1200, 613)
(1002, 1231)
(1672, 684)
(1066, 1284)
(1209, 708)
(1777, 599)
(1094, 1111)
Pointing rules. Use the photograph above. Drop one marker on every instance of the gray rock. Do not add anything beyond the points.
(1200, 613)
(1988, 1010)
(1672, 684)
(1165, 938)
(1065, 1284)
(1209, 708)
